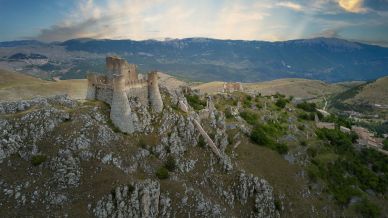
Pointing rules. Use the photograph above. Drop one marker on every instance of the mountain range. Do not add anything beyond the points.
(204, 59)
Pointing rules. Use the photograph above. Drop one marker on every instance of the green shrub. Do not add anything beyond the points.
(264, 134)
(170, 164)
(281, 148)
(313, 172)
(228, 114)
(306, 116)
(249, 117)
(385, 144)
(247, 104)
(259, 136)
(131, 188)
(278, 205)
(201, 142)
(368, 209)
(312, 151)
(308, 107)
(162, 173)
(259, 106)
(303, 143)
(38, 159)
(281, 102)
(339, 120)
(278, 95)
(340, 141)
(112, 126)
(195, 102)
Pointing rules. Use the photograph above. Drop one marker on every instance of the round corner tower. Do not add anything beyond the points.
(154, 96)
(120, 109)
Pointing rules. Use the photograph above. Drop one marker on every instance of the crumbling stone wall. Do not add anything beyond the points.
(120, 84)
(231, 87)
(104, 94)
(139, 90)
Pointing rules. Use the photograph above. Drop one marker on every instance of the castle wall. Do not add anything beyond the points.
(132, 74)
(140, 92)
(104, 94)
(118, 66)
(91, 90)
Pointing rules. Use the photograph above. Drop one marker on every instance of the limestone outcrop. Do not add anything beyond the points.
(141, 199)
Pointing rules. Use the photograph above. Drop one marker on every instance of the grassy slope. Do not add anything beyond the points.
(15, 86)
(302, 88)
(372, 93)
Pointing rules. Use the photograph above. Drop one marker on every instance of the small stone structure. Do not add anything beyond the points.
(367, 138)
(230, 87)
(120, 84)
(321, 125)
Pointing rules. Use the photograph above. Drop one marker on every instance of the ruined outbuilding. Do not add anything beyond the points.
(119, 85)
(229, 87)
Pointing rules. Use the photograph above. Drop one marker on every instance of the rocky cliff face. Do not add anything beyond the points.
(59, 157)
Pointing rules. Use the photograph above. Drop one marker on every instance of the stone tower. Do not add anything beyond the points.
(153, 92)
(120, 112)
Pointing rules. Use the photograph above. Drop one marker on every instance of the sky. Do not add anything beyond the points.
(268, 20)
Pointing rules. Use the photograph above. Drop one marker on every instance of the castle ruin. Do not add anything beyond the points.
(120, 84)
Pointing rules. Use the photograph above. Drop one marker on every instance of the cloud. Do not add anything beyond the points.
(290, 5)
(328, 33)
(139, 19)
(354, 6)
(224, 19)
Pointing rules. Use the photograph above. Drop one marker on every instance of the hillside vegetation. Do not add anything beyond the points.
(274, 161)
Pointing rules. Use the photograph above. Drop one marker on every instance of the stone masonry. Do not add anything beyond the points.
(120, 84)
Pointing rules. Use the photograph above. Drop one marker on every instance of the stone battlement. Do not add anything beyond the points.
(136, 83)
(119, 85)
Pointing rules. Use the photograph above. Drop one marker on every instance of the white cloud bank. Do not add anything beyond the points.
(223, 19)
(354, 6)
(155, 19)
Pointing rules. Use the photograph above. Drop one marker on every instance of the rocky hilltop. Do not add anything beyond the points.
(199, 157)
(60, 157)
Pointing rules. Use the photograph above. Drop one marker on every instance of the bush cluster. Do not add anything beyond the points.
(264, 134)
(250, 117)
(162, 173)
(281, 103)
(201, 142)
(364, 170)
(38, 159)
(170, 164)
(195, 102)
(385, 144)
(308, 107)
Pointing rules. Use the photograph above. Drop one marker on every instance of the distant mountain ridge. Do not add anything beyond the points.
(205, 59)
